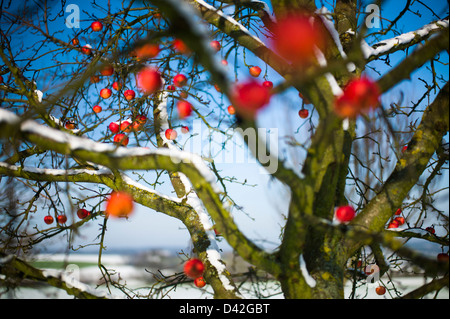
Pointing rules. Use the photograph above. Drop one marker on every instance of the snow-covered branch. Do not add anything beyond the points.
(402, 41)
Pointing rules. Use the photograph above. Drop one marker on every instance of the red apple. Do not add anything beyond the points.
(105, 93)
(268, 84)
(96, 26)
(121, 139)
(380, 290)
(400, 220)
(296, 37)
(184, 94)
(107, 70)
(171, 134)
(215, 45)
(194, 268)
(129, 95)
(83, 213)
(48, 219)
(147, 51)
(114, 127)
(179, 80)
(404, 148)
(255, 71)
(199, 282)
(149, 80)
(171, 88)
(136, 126)
(184, 129)
(117, 86)
(86, 49)
(61, 219)
(345, 213)
(303, 113)
(95, 79)
(431, 229)
(70, 125)
(141, 119)
(181, 47)
(398, 211)
(249, 97)
(393, 224)
(97, 109)
(119, 204)
(224, 62)
(125, 126)
(75, 42)
(360, 96)
(184, 109)
(231, 109)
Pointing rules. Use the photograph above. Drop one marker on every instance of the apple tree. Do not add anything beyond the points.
(95, 102)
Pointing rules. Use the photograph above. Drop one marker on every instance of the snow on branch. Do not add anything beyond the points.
(402, 41)
(229, 19)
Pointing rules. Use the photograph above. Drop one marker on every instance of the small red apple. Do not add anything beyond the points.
(224, 62)
(179, 80)
(194, 268)
(296, 37)
(121, 139)
(171, 88)
(303, 113)
(345, 213)
(107, 70)
(171, 134)
(48, 219)
(141, 119)
(148, 51)
(184, 94)
(255, 71)
(75, 42)
(83, 213)
(61, 219)
(70, 125)
(199, 282)
(129, 95)
(393, 224)
(215, 45)
(231, 109)
(149, 80)
(184, 109)
(105, 93)
(431, 229)
(380, 290)
(125, 126)
(119, 204)
(96, 26)
(181, 47)
(360, 95)
(95, 79)
(86, 49)
(114, 127)
(249, 97)
(117, 85)
(97, 109)
(268, 84)
(184, 129)
(404, 148)
(400, 220)
(398, 211)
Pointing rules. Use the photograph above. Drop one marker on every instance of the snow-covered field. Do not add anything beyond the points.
(135, 277)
